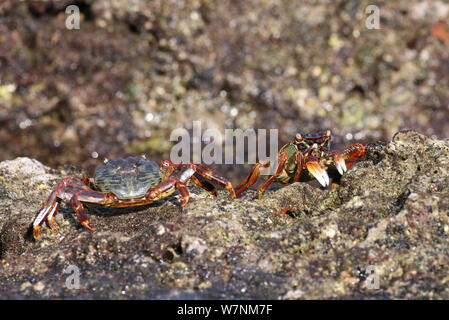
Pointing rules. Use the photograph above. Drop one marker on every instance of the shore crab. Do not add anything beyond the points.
(305, 151)
(132, 181)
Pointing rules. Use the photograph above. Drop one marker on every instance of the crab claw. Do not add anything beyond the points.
(318, 172)
(340, 164)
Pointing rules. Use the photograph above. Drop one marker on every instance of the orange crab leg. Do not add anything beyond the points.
(52, 214)
(207, 173)
(280, 167)
(183, 192)
(180, 176)
(204, 184)
(80, 211)
(299, 164)
(51, 204)
(251, 178)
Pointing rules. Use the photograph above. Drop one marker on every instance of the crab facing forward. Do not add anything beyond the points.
(128, 182)
(308, 151)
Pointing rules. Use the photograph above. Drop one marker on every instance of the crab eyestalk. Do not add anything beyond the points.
(167, 167)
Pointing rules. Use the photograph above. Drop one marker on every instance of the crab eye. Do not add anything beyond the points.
(165, 164)
(298, 137)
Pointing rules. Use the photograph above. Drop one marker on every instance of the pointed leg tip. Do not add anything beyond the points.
(184, 202)
(51, 223)
(231, 191)
(88, 225)
(36, 233)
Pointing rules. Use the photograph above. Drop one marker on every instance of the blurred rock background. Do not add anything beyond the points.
(138, 69)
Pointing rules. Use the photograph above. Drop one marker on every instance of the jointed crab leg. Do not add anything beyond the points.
(207, 173)
(300, 164)
(179, 178)
(87, 196)
(280, 167)
(73, 190)
(52, 214)
(251, 178)
(49, 209)
(201, 182)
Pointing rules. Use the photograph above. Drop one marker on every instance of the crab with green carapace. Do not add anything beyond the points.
(128, 182)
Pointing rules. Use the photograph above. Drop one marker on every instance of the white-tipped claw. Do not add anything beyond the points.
(318, 172)
(41, 216)
(340, 164)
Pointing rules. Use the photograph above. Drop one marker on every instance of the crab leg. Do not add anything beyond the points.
(81, 213)
(207, 173)
(201, 182)
(52, 213)
(184, 192)
(49, 209)
(87, 196)
(73, 190)
(280, 167)
(177, 180)
(251, 178)
(179, 177)
(299, 164)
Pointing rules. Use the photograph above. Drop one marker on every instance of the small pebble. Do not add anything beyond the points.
(39, 286)
(25, 285)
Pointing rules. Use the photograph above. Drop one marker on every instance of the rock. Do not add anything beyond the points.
(39, 286)
(389, 215)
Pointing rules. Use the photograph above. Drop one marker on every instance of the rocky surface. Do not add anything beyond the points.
(389, 212)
